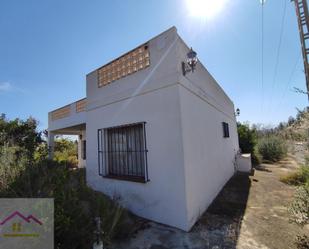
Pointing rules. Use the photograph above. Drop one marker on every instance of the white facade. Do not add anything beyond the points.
(188, 159)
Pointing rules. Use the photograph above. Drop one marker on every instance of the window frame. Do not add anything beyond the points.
(104, 152)
(226, 130)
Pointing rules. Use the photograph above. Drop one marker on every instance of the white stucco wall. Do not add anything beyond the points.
(75, 118)
(150, 95)
(161, 73)
(208, 157)
(162, 199)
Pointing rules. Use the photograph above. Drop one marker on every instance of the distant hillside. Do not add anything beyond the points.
(297, 129)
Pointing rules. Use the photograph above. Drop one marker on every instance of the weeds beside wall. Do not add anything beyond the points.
(299, 208)
(26, 173)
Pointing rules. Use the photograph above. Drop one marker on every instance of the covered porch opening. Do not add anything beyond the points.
(80, 132)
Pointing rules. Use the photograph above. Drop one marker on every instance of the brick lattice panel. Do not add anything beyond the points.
(127, 64)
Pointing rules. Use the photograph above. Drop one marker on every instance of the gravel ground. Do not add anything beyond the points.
(250, 212)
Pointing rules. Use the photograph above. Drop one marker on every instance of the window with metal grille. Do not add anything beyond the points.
(122, 152)
(226, 132)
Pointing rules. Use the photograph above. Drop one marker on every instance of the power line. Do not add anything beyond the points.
(288, 83)
(278, 53)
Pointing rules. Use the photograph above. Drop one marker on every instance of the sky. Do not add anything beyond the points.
(48, 46)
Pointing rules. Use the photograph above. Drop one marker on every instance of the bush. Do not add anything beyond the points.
(20, 133)
(76, 205)
(26, 173)
(65, 151)
(12, 162)
(299, 208)
(302, 242)
(247, 141)
(272, 148)
(297, 178)
(247, 138)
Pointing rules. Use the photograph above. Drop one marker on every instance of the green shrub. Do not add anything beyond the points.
(297, 178)
(272, 148)
(302, 242)
(41, 152)
(299, 209)
(76, 205)
(26, 173)
(19, 133)
(65, 151)
(247, 141)
(12, 162)
(247, 138)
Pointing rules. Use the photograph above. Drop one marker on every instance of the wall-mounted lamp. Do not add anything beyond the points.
(191, 62)
(237, 112)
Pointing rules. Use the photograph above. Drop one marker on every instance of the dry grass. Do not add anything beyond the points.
(297, 178)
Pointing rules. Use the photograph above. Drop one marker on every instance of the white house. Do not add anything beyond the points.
(163, 141)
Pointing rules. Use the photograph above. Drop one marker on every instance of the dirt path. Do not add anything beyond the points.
(250, 212)
(266, 220)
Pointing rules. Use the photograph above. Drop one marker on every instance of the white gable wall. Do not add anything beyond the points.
(152, 96)
(162, 199)
(208, 157)
(160, 73)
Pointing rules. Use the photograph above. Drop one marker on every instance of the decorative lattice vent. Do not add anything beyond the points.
(81, 105)
(127, 64)
(61, 113)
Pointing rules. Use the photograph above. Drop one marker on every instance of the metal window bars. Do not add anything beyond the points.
(122, 152)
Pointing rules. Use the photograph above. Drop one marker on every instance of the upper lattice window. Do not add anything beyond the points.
(61, 112)
(127, 64)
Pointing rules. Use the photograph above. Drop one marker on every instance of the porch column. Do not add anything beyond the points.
(79, 151)
(50, 144)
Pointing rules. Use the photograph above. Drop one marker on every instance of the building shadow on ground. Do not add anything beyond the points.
(221, 223)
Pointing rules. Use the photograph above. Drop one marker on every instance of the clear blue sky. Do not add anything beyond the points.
(48, 46)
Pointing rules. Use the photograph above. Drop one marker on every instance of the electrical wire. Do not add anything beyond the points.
(278, 54)
(288, 83)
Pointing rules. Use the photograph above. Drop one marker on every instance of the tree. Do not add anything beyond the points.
(281, 126)
(291, 120)
(65, 150)
(20, 133)
(247, 138)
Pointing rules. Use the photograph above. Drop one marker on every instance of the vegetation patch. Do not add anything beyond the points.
(76, 205)
(247, 141)
(299, 209)
(25, 172)
(302, 242)
(297, 178)
(272, 148)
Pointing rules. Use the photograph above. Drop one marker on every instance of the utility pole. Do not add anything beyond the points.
(301, 7)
